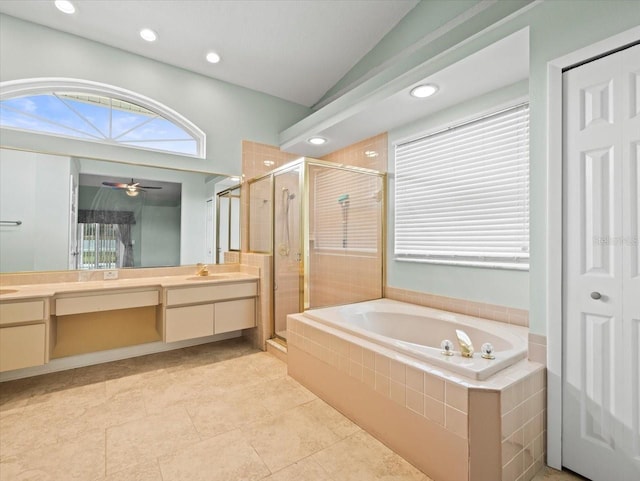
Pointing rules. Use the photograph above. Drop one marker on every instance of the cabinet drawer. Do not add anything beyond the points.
(188, 322)
(22, 346)
(192, 295)
(105, 302)
(21, 312)
(234, 315)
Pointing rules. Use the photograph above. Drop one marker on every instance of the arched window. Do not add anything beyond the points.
(97, 112)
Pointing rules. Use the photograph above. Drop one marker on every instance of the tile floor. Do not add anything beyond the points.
(218, 411)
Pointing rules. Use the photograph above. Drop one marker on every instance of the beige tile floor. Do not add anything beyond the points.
(218, 411)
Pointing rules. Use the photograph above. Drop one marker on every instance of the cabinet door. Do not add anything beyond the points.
(234, 315)
(21, 346)
(210, 293)
(12, 312)
(188, 322)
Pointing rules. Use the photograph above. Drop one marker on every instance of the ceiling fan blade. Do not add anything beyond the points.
(148, 187)
(117, 185)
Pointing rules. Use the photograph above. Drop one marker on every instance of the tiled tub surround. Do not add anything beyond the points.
(494, 312)
(451, 427)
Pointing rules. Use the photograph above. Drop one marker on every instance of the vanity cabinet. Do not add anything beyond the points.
(23, 334)
(201, 311)
(79, 304)
(91, 321)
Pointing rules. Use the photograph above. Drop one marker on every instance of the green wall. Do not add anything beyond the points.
(425, 17)
(495, 286)
(557, 27)
(160, 244)
(227, 113)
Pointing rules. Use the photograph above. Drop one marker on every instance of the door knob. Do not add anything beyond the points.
(596, 295)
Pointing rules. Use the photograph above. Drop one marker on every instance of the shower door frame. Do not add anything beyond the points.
(304, 163)
(228, 193)
(302, 264)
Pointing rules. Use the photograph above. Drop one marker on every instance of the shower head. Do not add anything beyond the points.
(343, 199)
(290, 196)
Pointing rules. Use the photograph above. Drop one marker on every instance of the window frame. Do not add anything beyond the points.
(45, 86)
(462, 260)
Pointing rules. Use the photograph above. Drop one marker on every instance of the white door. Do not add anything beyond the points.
(601, 271)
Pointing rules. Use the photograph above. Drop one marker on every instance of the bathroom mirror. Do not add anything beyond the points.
(56, 213)
(228, 223)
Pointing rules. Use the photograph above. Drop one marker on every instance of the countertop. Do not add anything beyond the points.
(13, 292)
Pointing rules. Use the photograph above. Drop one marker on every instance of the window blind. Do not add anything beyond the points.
(350, 224)
(462, 194)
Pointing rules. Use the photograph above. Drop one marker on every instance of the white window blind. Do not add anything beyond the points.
(346, 210)
(462, 194)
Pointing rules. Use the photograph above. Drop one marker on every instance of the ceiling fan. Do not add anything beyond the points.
(132, 189)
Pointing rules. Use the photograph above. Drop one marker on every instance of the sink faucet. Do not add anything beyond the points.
(466, 346)
(203, 269)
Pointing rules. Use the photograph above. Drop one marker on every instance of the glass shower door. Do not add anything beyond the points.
(287, 251)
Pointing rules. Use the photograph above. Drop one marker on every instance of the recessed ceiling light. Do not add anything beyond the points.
(213, 57)
(65, 6)
(148, 35)
(317, 140)
(371, 153)
(423, 91)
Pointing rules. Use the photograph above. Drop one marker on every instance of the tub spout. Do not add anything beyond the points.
(466, 346)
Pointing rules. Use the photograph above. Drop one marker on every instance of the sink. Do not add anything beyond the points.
(210, 277)
(7, 291)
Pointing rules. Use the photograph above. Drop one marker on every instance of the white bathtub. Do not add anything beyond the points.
(418, 331)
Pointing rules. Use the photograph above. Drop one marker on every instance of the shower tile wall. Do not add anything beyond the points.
(260, 212)
(370, 153)
(264, 331)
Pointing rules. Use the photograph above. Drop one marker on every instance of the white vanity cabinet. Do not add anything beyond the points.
(204, 310)
(23, 334)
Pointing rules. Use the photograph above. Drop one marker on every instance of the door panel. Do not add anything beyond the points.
(287, 250)
(597, 176)
(601, 290)
(634, 210)
(597, 333)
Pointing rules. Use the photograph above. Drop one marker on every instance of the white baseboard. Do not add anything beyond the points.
(90, 359)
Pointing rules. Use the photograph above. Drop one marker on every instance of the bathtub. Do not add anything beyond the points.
(380, 364)
(418, 331)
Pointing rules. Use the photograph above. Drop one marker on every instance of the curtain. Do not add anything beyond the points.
(105, 217)
(125, 251)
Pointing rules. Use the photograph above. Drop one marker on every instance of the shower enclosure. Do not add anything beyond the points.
(323, 225)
